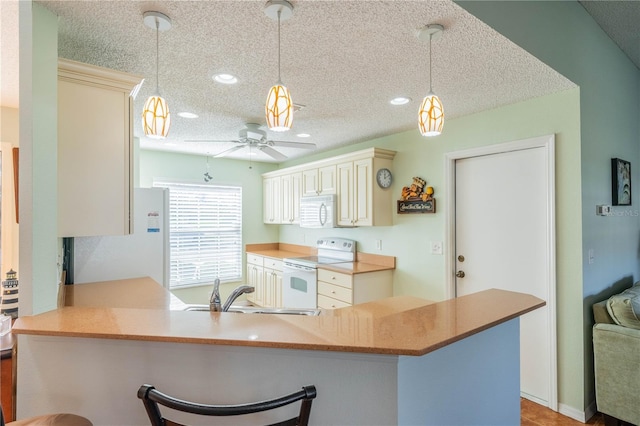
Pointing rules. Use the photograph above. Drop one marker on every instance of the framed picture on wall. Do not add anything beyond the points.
(620, 182)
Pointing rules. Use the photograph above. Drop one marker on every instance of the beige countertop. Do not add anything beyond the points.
(365, 262)
(401, 325)
(139, 293)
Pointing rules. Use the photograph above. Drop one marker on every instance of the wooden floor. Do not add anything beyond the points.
(533, 414)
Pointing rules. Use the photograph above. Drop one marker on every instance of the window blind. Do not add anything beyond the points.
(205, 233)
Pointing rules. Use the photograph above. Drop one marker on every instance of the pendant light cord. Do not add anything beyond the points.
(430, 88)
(157, 56)
(279, 79)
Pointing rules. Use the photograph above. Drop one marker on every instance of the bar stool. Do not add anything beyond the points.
(152, 397)
(58, 419)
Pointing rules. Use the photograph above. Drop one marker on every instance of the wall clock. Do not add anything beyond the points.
(384, 178)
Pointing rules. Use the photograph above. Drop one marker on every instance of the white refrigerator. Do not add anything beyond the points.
(145, 252)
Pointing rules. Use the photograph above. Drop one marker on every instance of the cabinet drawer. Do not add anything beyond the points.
(254, 259)
(325, 302)
(335, 292)
(336, 278)
(272, 263)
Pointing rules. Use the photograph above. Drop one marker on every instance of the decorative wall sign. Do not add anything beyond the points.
(620, 182)
(416, 206)
(416, 198)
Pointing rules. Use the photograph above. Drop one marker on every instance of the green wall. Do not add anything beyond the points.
(190, 168)
(592, 125)
(422, 274)
(39, 243)
(418, 272)
(565, 37)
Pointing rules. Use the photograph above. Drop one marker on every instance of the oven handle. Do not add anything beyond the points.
(298, 267)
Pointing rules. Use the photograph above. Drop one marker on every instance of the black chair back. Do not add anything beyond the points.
(151, 397)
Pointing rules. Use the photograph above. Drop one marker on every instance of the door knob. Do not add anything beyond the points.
(460, 274)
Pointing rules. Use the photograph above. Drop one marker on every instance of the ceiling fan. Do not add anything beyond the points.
(254, 137)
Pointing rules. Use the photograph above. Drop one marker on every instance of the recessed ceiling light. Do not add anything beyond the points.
(400, 100)
(303, 135)
(187, 115)
(225, 78)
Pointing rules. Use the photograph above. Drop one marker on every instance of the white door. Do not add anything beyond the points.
(504, 237)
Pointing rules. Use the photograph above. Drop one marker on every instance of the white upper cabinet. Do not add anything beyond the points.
(319, 181)
(94, 150)
(291, 193)
(356, 193)
(360, 200)
(272, 208)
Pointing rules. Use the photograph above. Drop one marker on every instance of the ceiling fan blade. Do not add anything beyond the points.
(229, 151)
(272, 153)
(211, 140)
(288, 144)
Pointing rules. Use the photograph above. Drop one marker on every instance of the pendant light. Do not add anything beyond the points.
(431, 114)
(156, 119)
(279, 107)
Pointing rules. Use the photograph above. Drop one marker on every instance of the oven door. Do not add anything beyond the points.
(299, 286)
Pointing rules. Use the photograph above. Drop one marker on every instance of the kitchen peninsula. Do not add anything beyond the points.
(400, 360)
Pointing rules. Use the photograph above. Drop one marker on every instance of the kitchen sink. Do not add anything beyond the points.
(259, 310)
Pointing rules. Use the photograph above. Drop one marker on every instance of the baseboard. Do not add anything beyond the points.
(534, 399)
(581, 416)
(591, 410)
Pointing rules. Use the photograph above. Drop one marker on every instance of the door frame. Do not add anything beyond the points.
(546, 142)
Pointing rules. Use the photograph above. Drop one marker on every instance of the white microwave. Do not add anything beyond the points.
(318, 211)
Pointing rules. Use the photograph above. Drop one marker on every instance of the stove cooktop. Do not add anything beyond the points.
(314, 261)
(330, 250)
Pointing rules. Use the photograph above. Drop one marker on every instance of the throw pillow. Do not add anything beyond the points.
(624, 307)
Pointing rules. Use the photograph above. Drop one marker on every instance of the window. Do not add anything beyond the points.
(205, 233)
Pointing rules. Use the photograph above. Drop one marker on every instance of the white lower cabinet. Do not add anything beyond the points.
(254, 278)
(265, 275)
(338, 290)
(272, 278)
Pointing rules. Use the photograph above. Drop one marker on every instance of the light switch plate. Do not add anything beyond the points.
(436, 247)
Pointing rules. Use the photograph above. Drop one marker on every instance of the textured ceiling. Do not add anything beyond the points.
(342, 60)
(619, 19)
(9, 69)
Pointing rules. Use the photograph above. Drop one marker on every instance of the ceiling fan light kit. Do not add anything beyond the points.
(156, 119)
(431, 114)
(279, 107)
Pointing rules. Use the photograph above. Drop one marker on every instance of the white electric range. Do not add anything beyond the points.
(299, 274)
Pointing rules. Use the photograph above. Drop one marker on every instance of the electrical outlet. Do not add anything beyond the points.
(436, 247)
(379, 244)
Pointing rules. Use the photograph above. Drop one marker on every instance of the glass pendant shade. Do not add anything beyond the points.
(279, 109)
(156, 119)
(431, 116)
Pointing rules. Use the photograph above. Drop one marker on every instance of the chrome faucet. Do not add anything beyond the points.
(214, 302)
(235, 294)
